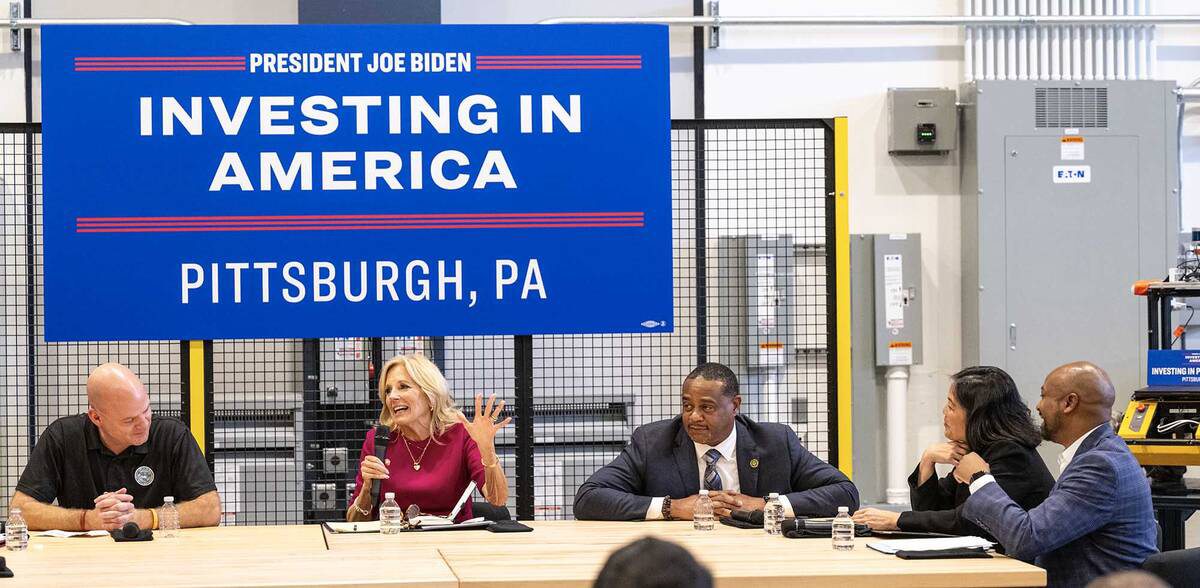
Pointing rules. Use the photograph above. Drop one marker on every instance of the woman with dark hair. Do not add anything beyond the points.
(984, 413)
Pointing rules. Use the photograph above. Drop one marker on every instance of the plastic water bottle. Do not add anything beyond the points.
(168, 517)
(843, 530)
(16, 533)
(702, 515)
(391, 520)
(773, 515)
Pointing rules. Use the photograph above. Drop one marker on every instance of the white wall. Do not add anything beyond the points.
(793, 72)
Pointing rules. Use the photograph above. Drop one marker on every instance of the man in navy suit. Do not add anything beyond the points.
(661, 471)
(1098, 518)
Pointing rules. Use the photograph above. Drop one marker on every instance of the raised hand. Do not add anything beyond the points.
(948, 452)
(483, 427)
(968, 466)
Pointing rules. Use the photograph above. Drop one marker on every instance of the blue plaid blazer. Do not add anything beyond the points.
(1098, 518)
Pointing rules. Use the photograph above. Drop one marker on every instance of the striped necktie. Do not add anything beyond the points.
(712, 478)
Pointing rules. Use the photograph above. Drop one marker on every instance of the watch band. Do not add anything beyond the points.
(978, 475)
(666, 508)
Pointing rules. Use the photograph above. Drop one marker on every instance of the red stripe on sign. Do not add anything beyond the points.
(238, 68)
(353, 228)
(157, 66)
(326, 222)
(179, 58)
(465, 215)
(561, 62)
(558, 56)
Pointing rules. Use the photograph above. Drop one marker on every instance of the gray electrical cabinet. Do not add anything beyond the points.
(344, 368)
(754, 322)
(1069, 195)
(898, 339)
(922, 120)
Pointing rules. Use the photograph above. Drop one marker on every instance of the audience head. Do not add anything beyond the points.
(119, 406)
(415, 396)
(1075, 398)
(652, 563)
(983, 407)
(1128, 579)
(709, 403)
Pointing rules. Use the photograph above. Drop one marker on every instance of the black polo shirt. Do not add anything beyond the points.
(72, 465)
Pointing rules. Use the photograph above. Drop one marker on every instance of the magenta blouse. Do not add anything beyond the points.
(450, 463)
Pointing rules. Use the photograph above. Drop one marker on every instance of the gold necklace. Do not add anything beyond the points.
(416, 461)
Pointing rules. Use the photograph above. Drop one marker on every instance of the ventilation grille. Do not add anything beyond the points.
(1073, 108)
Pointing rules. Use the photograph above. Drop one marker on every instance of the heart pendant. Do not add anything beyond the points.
(417, 466)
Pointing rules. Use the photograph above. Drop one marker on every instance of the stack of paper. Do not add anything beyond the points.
(894, 545)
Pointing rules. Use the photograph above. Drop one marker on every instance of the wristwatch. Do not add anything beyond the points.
(666, 508)
(978, 475)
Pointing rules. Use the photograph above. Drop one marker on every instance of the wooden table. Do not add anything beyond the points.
(220, 557)
(571, 553)
(557, 553)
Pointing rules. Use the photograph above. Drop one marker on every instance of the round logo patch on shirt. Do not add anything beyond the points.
(144, 475)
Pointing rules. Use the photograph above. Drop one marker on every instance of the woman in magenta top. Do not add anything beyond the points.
(433, 451)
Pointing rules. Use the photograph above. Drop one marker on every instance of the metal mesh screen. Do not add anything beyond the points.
(288, 418)
(44, 381)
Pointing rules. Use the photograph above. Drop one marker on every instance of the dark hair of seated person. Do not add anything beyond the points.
(653, 563)
(995, 411)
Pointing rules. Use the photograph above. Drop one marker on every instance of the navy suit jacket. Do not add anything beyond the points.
(1097, 520)
(660, 460)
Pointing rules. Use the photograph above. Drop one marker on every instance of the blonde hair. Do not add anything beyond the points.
(428, 378)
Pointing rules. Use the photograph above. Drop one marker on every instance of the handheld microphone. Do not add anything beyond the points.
(130, 530)
(381, 443)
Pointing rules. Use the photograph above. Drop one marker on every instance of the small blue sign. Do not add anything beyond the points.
(211, 182)
(1173, 368)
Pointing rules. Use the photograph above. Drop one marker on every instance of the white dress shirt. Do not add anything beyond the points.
(726, 466)
(1069, 453)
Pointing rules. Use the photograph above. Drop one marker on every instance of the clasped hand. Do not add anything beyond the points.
(723, 503)
(113, 510)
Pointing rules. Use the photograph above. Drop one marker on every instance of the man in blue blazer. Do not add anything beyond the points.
(1098, 518)
(709, 445)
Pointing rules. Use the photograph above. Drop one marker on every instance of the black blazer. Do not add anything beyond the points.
(937, 504)
(660, 460)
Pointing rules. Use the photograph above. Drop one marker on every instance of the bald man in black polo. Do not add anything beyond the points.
(115, 464)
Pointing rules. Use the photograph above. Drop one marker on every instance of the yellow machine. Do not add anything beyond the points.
(1160, 426)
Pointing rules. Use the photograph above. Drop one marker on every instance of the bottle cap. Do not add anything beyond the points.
(704, 492)
(773, 495)
(168, 499)
(389, 495)
(844, 509)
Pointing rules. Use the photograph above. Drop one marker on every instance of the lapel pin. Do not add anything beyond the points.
(754, 463)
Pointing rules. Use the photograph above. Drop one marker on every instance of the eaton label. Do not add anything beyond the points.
(1072, 174)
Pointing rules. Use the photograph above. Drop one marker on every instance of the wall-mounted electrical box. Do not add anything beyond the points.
(756, 321)
(923, 120)
(898, 339)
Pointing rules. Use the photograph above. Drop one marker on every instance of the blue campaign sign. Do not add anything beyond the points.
(1170, 367)
(325, 181)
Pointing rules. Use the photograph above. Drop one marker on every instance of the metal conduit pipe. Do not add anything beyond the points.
(1188, 95)
(867, 21)
(33, 23)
